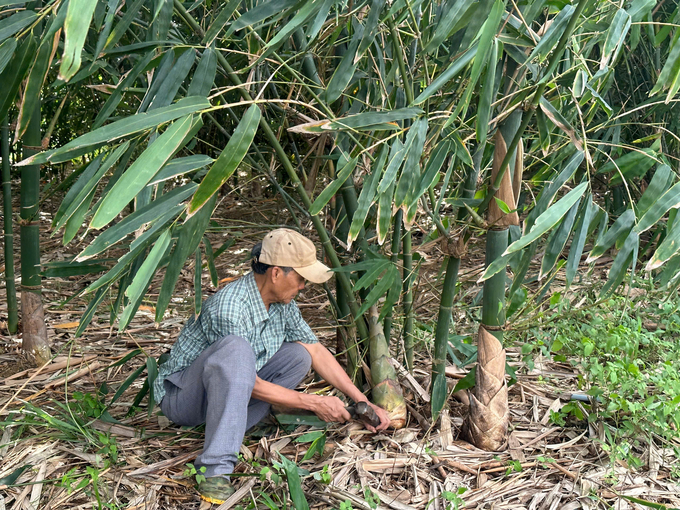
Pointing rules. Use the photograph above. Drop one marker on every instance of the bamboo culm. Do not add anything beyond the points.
(10, 287)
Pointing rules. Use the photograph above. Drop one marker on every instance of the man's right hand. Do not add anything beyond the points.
(330, 409)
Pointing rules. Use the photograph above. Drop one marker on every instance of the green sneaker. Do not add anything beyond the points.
(216, 489)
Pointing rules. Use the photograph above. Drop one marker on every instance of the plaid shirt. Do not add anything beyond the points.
(238, 310)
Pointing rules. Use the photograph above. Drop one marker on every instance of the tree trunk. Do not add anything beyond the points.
(12, 315)
(35, 341)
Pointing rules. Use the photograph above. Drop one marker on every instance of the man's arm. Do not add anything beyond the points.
(326, 408)
(325, 364)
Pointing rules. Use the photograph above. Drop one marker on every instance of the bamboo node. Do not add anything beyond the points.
(33, 147)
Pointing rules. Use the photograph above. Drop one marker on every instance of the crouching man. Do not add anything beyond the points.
(248, 349)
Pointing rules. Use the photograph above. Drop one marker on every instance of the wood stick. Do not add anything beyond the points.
(76, 375)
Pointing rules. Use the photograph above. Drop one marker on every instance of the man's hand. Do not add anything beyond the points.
(382, 414)
(331, 409)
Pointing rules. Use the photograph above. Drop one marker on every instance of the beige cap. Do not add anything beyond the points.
(286, 248)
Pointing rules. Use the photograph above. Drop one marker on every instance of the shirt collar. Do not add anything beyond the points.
(260, 313)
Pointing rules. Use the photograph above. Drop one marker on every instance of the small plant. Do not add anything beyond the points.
(453, 499)
(323, 476)
(371, 498)
(346, 505)
(191, 471)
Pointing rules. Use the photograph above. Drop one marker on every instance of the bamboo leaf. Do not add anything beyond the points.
(618, 230)
(229, 159)
(396, 158)
(372, 21)
(306, 11)
(670, 74)
(220, 21)
(86, 318)
(127, 383)
(434, 165)
(328, 193)
(119, 129)
(368, 191)
(181, 166)
(553, 34)
(415, 141)
(632, 165)
(168, 202)
(190, 236)
(260, 13)
(588, 210)
(661, 180)
(198, 287)
(117, 95)
(345, 71)
(6, 52)
(562, 123)
(75, 221)
(14, 74)
(667, 249)
(384, 212)
(485, 44)
(667, 201)
(211, 261)
(453, 12)
(616, 35)
(152, 371)
(297, 495)
(549, 218)
(444, 78)
(170, 85)
(36, 78)
(370, 119)
(141, 171)
(379, 289)
(78, 18)
(132, 11)
(135, 292)
(622, 262)
(486, 96)
(86, 183)
(16, 22)
(204, 76)
(372, 272)
(558, 241)
(543, 131)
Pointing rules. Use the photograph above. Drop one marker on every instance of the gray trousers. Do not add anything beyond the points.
(216, 389)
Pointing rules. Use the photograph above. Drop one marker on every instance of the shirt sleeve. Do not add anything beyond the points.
(297, 330)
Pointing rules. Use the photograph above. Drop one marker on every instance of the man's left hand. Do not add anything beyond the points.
(382, 414)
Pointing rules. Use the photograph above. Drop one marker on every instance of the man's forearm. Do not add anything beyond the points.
(278, 395)
(325, 364)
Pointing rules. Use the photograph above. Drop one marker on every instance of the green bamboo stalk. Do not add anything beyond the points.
(10, 287)
(34, 339)
(292, 174)
(396, 246)
(407, 278)
(493, 315)
(439, 389)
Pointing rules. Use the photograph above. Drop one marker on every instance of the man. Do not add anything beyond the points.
(249, 348)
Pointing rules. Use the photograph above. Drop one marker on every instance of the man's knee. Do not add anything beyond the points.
(234, 355)
(300, 357)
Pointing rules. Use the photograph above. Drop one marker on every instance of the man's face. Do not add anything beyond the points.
(286, 285)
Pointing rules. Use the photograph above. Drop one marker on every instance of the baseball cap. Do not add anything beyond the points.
(286, 248)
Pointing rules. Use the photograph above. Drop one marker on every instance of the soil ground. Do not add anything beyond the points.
(418, 467)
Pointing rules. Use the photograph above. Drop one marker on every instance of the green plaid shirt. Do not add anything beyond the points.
(237, 309)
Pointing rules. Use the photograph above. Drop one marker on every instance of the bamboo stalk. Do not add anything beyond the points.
(34, 339)
(439, 388)
(407, 278)
(12, 310)
(396, 246)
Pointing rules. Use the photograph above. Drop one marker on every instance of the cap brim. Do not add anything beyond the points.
(316, 273)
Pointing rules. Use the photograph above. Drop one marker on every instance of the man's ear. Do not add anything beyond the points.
(275, 273)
